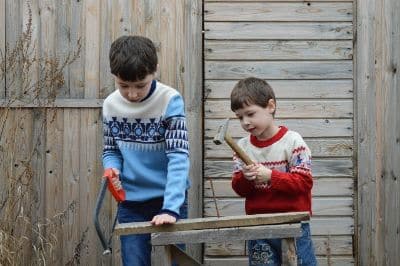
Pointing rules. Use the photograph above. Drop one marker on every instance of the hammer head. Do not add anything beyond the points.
(220, 136)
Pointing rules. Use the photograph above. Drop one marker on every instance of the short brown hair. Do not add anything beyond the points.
(132, 58)
(251, 91)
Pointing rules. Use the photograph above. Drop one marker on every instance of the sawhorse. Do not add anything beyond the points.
(286, 226)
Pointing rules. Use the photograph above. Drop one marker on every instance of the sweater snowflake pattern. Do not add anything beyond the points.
(147, 141)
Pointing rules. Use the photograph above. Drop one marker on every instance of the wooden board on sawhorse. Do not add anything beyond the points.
(213, 230)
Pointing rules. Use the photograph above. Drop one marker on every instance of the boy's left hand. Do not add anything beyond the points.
(163, 218)
(263, 175)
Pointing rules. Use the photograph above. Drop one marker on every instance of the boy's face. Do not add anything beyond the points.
(134, 91)
(258, 120)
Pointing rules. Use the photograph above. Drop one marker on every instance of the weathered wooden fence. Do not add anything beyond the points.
(333, 64)
(51, 133)
(305, 51)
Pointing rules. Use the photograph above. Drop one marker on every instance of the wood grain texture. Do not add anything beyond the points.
(267, 11)
(279, 70)
(277, 50)
(288, 89)
(213, 223)
(278, 30)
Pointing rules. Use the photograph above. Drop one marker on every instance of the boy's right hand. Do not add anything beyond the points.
(115, 179)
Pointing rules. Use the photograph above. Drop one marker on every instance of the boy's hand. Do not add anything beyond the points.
(250, 171)
(163, 218)
(263, 175)
(115, 180)
(257, 172)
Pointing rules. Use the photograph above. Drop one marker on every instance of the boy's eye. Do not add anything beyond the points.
(250, 114)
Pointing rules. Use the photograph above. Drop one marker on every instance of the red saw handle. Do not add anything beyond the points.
(118, 194)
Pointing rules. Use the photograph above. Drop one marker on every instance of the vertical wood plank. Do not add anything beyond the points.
(62, 41)
(71, 180)
(390, 125)
(289, 256)
(54, 183)
(13, 22)
(48, 22)
(161, 255)
(106, 80)
(88, 183)
(92, 48)
(168, 38)
(193, 79)
(2, 47)
(76, 78)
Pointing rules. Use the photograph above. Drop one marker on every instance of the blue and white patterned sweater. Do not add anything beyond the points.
(148, 142)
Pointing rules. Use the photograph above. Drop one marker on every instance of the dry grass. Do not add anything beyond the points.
(26, 236)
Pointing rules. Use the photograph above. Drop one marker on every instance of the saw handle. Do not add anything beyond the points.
(118, 194)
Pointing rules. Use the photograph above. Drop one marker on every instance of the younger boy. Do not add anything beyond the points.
(280, 180)
(145, 143)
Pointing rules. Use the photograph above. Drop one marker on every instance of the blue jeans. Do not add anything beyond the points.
(136, 248)
(268, 252)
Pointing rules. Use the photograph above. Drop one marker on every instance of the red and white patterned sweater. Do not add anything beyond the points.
(289, 189)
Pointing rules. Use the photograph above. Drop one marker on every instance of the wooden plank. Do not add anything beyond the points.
(277, 0)
(288, 109)
(243, 261)
(278, 50)
(368, 138)
(48, 23)
(390, 138)
(13, 30)
(290, 89)
(322, 187)
(306, 127)
(76, 24)
(70, 186)
(62, 41)
(320, 147)
(161, 256)
(182, 258)
(2, 47)
(89, 181)
(289, 256)
(213, 223)
(54, 183)
(57, 103)
(267, 11)
(38, 168)
(193, 94)
(278, 30)
(320, 168)
(327, 206)
(323, 245)
(106, 79)
(168, 36)
(279, 70)
(92, 49)
(221, 234)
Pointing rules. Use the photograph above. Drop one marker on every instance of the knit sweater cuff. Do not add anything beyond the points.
(174, 214)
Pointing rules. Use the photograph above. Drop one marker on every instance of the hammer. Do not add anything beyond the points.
(222, 134)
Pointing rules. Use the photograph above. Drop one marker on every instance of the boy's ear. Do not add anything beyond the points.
(271, 105)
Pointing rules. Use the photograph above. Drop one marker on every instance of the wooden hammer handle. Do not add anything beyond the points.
(239, 151)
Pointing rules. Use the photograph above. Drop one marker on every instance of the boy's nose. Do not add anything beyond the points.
(132, 94)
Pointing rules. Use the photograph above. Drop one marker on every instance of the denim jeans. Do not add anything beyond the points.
(265, 252)
(136, 248)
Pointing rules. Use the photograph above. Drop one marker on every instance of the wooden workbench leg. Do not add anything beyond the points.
(289, 256)
(161, 256)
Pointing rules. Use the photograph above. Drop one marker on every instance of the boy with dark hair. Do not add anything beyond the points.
(280, 180)
(145, 144)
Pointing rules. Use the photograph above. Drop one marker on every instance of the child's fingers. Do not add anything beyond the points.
(163, 219)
